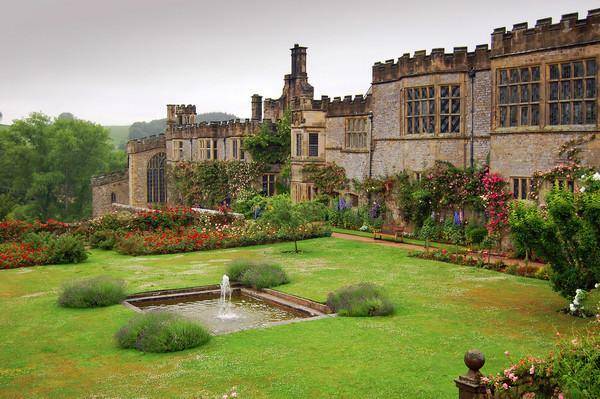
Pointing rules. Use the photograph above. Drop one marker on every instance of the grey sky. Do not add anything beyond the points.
(120, 61)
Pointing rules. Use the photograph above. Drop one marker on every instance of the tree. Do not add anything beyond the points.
(526, 228)
(46, 165)
(286, 217)
(272, 144)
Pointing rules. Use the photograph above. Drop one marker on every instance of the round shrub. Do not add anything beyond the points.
(93, 292)
(475, 234)
(360, 300)
(161, 332)
(103, 239)
(67, 249)
(257, 275)
(237, 268)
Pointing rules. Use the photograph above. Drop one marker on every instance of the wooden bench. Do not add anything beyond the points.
(389, 230)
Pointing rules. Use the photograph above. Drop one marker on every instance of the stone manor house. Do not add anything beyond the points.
(512, 105)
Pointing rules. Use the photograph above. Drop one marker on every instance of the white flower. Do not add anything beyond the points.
(596, 176)
(582, 190)
(576, 301)
(572, 307)
(596, 285)
(578, 291)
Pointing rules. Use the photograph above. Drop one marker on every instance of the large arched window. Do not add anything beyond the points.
(157, 191)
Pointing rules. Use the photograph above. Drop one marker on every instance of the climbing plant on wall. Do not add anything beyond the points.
(208, 184)
(272, 143)
(328, 179)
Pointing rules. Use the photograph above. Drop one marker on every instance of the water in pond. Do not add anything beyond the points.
(249, 312)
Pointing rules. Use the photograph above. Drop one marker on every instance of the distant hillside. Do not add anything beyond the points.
(157, 126)
(119, 135)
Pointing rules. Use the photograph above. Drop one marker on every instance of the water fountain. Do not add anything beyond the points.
(225, 312)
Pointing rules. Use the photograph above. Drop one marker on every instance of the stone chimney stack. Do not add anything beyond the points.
(256, 107)
(298, 61)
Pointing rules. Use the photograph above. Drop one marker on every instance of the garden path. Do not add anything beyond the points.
(416, 247)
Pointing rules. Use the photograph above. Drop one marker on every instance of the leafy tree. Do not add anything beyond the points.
(286, 217)
(46, 165)
(271, 145)
(66, 115)
(571, 240)
(526, 228)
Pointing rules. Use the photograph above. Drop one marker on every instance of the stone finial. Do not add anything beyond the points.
(474, 360)
(469, 385)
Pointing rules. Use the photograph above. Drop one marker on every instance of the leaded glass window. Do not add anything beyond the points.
(420, 109)
(450, 109)
(572, 93)
(519, 96)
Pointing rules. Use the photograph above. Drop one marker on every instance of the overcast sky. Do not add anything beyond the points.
(120, 61)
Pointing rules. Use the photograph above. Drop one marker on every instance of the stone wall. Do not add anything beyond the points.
(106, 188)
(395, 151)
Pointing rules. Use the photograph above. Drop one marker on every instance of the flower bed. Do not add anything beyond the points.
(15, 230)
(571, 371)
(468, 260)
(187, 239)
(14, 255)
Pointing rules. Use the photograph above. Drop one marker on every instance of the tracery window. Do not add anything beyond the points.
(519, 96)
(572, 93)
(356, 133)
(156, 188)
(420, 109)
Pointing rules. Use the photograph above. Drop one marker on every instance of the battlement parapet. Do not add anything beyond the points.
(357, 105)
(438, 61)
(101, 180)
(215, 129)
(146, 144)
(545, 35)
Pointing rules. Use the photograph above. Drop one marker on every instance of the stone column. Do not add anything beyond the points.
(469, 385)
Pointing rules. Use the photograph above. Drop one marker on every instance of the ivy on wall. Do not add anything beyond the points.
(208, 184)
(272, 144)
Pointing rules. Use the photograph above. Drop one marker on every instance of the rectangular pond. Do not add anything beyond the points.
(248, 308)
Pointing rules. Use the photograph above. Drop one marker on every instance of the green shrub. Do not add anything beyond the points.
(257, 275)
(577, 366)
(591, 302)
(131, 245)
(236, 269)
(91, 293)
(475, 234)
(364, 299)
(67, 249)
(161, 332)
(39, 240)
(103, 239)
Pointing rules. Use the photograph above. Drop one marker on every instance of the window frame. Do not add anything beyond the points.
(519, 105)
(313, 148)
(524, 186)
(353, 136)
(437, 115)
(560, 102)
(268, 184)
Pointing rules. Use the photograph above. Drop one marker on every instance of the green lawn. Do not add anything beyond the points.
(443, 310)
